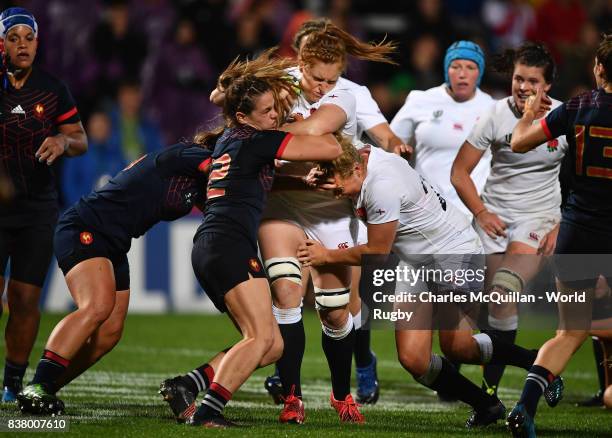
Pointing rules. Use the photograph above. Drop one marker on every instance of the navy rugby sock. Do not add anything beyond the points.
(537, 380)
(13, 374)
(213, 403)
(50, 367)
(199, 379)
(599, 363)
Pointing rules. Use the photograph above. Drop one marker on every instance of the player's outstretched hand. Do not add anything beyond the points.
(491, 224)
(51, 148)
(539, 103)
(311, 253)
(548, 243)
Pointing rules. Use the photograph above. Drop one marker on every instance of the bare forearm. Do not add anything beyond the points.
(76, 144)
(466, 189)
(517, 143)
(351, 256)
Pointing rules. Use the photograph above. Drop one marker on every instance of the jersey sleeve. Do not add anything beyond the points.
(195, 160)
(482, 135)
(382, 202)
(556, 122)
(270, 144)
(404, 124)
(368, 112)
(342, 98)
(66, 107)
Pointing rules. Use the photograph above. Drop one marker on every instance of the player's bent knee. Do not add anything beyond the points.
(284, 268)
(339, 333)
(332, 298)
(413, 362)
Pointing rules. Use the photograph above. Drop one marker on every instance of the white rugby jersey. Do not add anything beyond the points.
(308, 200)
(392, 190)
(519, 184)
(368, 113)
(436, 125)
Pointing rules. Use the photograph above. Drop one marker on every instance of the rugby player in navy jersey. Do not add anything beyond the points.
(586, 121)
(225, 256)
(91, 244)
(39, 123)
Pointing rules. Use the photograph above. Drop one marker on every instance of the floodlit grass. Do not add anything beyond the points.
(118, 397)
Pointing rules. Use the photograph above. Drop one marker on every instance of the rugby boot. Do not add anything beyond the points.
(180, 399)
(486, 416)
(368, 389)
(347, 409)
(293, 411)
(34, 399)
(520, 423)
(554, 392)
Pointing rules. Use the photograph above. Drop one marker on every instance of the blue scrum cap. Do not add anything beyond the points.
(464, 50)
(12, 17)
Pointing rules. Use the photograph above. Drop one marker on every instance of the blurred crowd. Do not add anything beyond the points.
(141, 71)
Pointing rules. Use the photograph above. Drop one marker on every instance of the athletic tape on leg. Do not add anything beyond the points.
(284, 268)
(332, 298)
(287, 316)
(340, 333)
(485, 345)
(434, 368)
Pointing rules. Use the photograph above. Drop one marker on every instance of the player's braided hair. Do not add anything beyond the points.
(331, 44)
(604, 55)
(345, 163)
(529, 53)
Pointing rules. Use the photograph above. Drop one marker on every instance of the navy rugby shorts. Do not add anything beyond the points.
(29, 249)
(221, 263)
(75, 242)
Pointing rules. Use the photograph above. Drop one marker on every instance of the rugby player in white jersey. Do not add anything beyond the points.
(520, 206)
(437, 121)
(404, 214)
(291, 216)
(371, 121)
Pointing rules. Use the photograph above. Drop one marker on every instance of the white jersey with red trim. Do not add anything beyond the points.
(427, 224)
(437, 125)
(519, 184)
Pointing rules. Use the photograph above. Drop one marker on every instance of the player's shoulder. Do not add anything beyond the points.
(484, 98)
(346, 84)
(43, 79)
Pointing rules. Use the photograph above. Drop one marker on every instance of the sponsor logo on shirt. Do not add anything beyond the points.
(380, 211)
(437, 114)
(254, 265)
(86, 238)
(534, 236)
(552, 145)
(457, 126)
(332, 96)
(18, 110)
(343, 245)
(508, 138)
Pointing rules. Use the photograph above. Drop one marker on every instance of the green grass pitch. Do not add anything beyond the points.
(118, 397)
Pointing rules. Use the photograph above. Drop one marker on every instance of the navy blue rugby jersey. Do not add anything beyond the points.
(162, 186)
(241, 175)
(27, 117)
(586, 121)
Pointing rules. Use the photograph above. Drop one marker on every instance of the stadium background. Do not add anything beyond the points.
(152, 64)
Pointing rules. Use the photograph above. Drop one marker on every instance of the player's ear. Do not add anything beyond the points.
(241, 117)
(546, 88)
